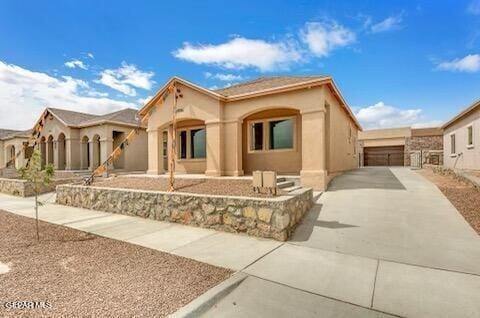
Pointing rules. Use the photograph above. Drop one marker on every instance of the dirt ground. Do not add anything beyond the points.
(202, 186)
(464, 196)
(77, 274)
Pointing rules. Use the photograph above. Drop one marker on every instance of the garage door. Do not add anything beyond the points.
(383, 156)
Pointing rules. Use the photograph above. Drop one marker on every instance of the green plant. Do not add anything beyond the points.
(33, 173)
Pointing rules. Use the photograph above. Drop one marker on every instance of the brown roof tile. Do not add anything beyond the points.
(263, 83)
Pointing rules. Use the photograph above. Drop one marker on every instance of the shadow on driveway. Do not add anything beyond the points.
(366, 178)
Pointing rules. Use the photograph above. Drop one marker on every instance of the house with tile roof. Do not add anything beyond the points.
(298, 125)
(461, 136)
(11, 142)
(80, 141)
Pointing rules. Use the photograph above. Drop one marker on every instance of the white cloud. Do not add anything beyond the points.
(126, 78)
(381, 115)
(143, 101)
(389, 24)
(474, 7)
(322, 37)
(25, 93)
(224, 77)
(75, 63)
(90, 55)
(469, 63)
(240, 53)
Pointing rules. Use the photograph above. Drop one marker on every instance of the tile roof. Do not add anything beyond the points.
(72, 118)
(263, 83)
(10, 133)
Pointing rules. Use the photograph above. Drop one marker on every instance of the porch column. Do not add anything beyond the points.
(72, 153)
(94, 154)
(83, 155)
(155, 155)
(56, 157)
(215, 149)
(106, 148)
(232, 151)
(314, 172)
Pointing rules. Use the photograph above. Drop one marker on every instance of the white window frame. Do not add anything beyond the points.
(266, 135)
(470, 146)
(189, 141)
(454, 146)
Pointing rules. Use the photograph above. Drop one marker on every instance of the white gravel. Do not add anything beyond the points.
(4, 268)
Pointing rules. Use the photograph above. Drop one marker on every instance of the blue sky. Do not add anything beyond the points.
(397, 63)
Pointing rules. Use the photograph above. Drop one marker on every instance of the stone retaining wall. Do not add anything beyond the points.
(24, 188)
(264, 217)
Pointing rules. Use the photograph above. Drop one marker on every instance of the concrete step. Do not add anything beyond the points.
(290, 189)
(281, 179)
(285, 184)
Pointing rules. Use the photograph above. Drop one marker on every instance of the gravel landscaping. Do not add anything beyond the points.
(463, 195)
(201, 186)
(82, 275)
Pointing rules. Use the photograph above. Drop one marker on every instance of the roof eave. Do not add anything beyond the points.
(461, 114)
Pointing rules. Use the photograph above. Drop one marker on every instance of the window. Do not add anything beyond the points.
(281, 134)
(470, 136)
(193, 143)
(183, 144)
(272, 134)
(452, 144)
(198, 143)
(257, 136)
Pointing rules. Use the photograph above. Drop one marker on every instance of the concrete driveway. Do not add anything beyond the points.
(379, 242)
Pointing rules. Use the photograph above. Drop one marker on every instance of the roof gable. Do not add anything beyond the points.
(462, 114)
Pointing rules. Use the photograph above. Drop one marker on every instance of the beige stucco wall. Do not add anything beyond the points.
(470, 156)
(135, 155)
(388, 133)
(5, 145)
(226, 128)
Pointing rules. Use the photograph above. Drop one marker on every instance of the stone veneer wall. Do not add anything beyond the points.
(264, 217)
(23, 188)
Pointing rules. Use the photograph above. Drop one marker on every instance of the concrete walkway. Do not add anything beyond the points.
(380, 242)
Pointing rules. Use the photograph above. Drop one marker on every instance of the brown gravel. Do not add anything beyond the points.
(83, 275)
(464, 196)
(202, 186)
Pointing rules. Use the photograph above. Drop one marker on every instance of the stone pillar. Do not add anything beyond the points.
(155, 156)
(72, 153)
(233, 165)
(214, 149)
(314, 171)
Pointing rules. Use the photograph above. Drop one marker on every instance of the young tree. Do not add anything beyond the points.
(34, 174)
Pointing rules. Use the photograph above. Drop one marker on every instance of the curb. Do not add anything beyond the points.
(204, 302)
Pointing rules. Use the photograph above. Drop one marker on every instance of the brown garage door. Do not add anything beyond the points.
(383, 156)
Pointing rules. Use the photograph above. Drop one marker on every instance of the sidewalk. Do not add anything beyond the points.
(277, 279)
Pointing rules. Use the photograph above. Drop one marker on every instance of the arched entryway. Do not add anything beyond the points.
(271, 140)
(95, 152)
(85, 153)
(10, 156)
(50, 159)
(43, 152)
(61, 147)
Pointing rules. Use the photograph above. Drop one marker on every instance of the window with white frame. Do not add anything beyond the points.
(272, 134)
(192, 143)
(452, 144)
(470, 136)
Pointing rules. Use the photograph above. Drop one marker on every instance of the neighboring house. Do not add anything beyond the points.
(401, 146)
(79, 141)
(11, 142)
(292, 125)
(462, 139)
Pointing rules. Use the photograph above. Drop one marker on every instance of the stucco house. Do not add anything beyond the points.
(401, 146)
(462, 139)
(80, 141)
(295, 125)
(11, 142)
